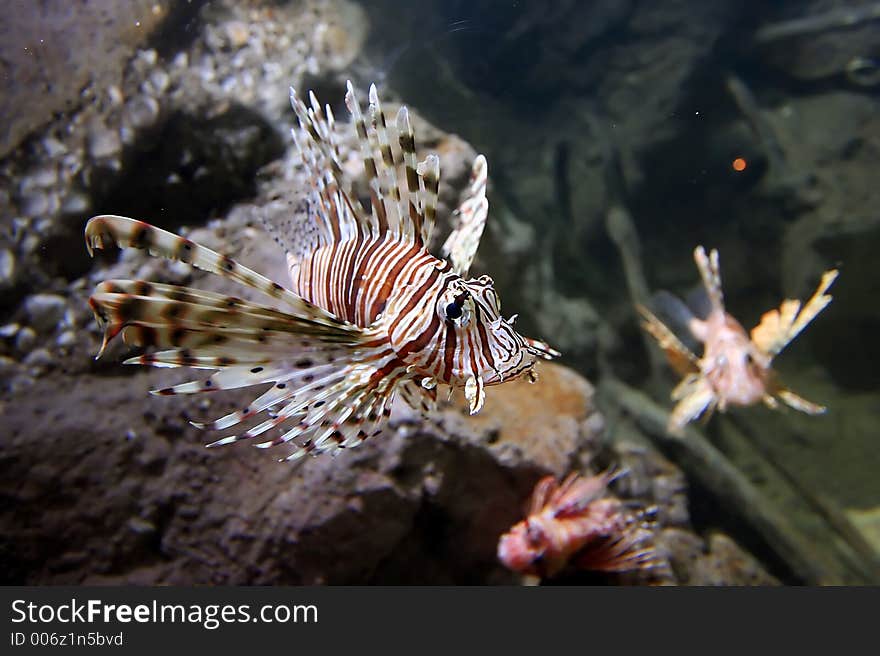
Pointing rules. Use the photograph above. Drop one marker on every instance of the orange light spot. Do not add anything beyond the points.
(739, 164)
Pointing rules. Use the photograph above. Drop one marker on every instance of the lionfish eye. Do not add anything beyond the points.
(534, 534)
(453, 311)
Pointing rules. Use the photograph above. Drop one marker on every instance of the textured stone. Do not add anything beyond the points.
(51, 50)
(45, 311)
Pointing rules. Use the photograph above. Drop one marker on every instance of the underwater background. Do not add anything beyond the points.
(619, 134)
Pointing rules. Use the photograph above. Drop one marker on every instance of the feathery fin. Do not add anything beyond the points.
(461, 245)
(778, 328)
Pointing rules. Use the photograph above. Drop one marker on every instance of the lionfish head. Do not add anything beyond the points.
(736, 368)
(489, 348)
(523, 548)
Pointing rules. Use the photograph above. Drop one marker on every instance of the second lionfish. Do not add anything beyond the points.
(370, 313)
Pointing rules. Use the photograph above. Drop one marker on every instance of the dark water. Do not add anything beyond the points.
(753, 130)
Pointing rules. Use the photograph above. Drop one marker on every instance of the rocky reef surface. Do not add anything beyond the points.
(184, 123)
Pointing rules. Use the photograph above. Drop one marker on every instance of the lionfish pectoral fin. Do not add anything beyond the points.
(321, 408)
(632, 549)
(695, 396)
(778, 328)
(770, 402)
(680, 357)
(799, 403)
(475, 393)
(109, 230)
(462, 244)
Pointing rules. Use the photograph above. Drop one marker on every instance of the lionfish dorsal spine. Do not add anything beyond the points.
(461, 245)
(403, 209)
(415, 184)
(710, 272)
(388, 170)
(335, 209)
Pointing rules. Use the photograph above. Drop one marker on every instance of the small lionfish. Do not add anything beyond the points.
(370, 312)
(577, 523)
(734, 369)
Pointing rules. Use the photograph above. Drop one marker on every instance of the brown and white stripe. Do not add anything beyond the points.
(371, 313)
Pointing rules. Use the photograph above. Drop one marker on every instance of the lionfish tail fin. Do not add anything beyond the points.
(461, 245)
(710, 272)
(779, 327)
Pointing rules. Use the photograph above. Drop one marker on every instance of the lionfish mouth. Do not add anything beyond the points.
(532, 351)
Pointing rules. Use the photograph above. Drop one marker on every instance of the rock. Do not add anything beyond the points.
(549, 424)
(39, 360)
(25, 339)
(157, 82)
(9, 331)
(142, 111)
(38, 204)
(7, 268)
(53, 49)
(816, 54)
(720, 562)
(8, 367)
(53, 147)
(370, 515)
(103, 142)
(45, 311)
(237, 32)
(75, 204)
(43, 177)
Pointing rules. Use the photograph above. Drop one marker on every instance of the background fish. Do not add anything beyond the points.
(578, 522)
(735, 368)
(370, 313)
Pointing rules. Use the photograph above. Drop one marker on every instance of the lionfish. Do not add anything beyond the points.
(370, 314)
(735, 368)
(577, 523)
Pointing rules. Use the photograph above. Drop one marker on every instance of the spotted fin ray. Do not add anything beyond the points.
(461, 245)
(403, 207)
(329, 377)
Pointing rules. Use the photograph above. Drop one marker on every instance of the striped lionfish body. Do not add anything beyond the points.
(370, 313)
